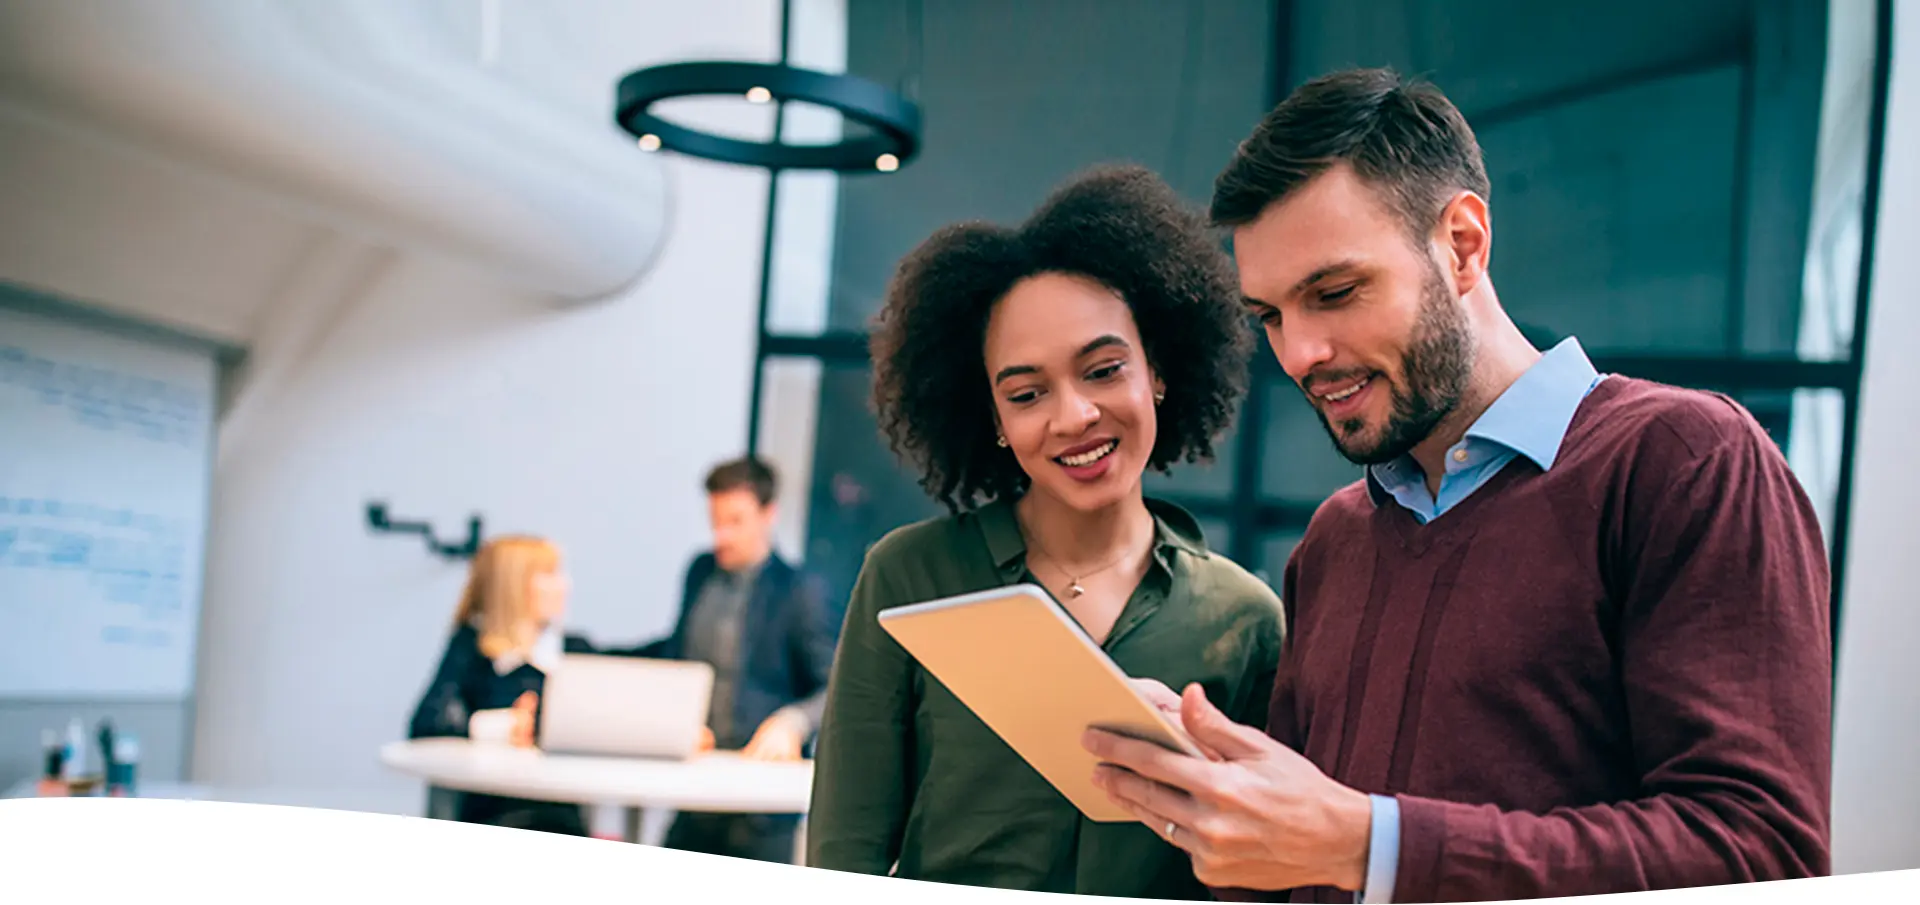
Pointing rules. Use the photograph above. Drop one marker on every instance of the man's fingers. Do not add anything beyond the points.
(1133, 791)
(1147, 759)
(1210, 728)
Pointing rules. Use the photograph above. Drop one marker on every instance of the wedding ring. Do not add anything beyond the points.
(1171, 829)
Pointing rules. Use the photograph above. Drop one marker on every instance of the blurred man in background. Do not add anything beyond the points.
(769, 635)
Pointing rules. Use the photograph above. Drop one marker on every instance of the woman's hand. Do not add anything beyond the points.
(523, 711)
(1167, 701)
(706, 741)
(1164, 699)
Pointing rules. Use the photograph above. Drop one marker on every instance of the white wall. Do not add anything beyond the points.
(1876, 808)
(414, 381)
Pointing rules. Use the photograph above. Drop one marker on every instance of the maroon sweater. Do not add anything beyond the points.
(1611, 676)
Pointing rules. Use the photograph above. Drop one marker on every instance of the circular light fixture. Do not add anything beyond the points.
(894, 119)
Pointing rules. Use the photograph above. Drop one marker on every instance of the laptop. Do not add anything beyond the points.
(625, 707)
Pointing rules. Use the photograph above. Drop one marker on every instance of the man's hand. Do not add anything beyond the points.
(778, 738)
(705, 743)
(1167, 701)
(1258, 817)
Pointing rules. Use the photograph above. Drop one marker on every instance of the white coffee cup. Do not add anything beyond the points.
(491, 727)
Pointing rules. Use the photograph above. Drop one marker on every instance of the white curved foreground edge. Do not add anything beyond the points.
(131, 850)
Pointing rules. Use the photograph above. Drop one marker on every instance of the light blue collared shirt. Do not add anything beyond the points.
(1529, 419)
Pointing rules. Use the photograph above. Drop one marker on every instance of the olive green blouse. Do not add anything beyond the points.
(906, 775)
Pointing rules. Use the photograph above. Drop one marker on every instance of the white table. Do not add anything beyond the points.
(719, 782)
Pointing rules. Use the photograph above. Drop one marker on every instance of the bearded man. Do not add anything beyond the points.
(1569, 635)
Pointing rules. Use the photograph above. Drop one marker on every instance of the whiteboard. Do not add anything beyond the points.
(105, 461)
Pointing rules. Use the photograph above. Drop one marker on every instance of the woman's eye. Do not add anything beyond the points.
(1023, 397)
(1104, 371)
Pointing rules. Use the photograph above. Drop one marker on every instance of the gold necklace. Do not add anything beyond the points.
(1074, 589)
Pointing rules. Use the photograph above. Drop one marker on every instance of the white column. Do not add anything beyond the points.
(1876, 789)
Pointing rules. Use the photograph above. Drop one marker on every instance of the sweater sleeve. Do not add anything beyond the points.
(443, 710)
(1726, 658)
(862, 775)
(815, 636)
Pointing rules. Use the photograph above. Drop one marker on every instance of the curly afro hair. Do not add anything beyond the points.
(1120, 226)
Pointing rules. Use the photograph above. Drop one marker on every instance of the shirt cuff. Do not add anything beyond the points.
(1383, 851)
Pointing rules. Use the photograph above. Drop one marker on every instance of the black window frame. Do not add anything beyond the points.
(1251, 518)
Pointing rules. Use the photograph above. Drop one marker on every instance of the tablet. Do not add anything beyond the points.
(1022, 664)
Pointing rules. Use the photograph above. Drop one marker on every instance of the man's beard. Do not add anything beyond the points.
(1434, 368)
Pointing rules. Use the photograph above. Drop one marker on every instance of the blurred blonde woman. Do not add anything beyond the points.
(506, 637)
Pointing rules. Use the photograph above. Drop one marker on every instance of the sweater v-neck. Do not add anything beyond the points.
(1396, 523)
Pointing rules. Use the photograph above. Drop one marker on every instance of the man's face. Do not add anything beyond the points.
(1360, 316)
(742, 528)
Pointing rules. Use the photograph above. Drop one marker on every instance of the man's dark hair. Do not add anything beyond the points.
(1401, 136)
(1121, 227)
(747, 473)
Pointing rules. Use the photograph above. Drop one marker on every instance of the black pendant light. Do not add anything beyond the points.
(895, 121)
(891, 115)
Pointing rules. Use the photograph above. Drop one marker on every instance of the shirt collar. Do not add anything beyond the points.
(744, 577)
(1174, 530)
(1530, 418)
(544, 655)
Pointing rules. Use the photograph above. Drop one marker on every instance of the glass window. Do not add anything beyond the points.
(1012, 110)
(1218, 533)
(1677, 197)
(1688, 189)
(1622, 237)
(855, 490)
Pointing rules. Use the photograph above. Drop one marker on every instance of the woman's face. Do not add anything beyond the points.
(1072, 389)
(550, 596)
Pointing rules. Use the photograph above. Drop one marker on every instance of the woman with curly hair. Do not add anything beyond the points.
(1032, 375)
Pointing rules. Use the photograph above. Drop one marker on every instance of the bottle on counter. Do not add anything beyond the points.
(78, 772)
(53, 782)
(75, 765)
(120, 771)
(105, 737)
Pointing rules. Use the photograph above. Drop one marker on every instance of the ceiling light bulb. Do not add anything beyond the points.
(649, 142)
(887, 163)
(759, 95)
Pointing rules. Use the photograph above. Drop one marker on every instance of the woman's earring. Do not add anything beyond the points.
(1159, 396)
(1001, 439)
